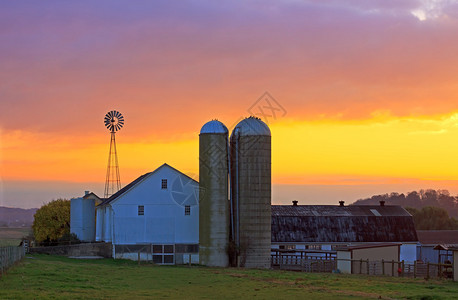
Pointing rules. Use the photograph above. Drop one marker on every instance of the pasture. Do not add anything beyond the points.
(12, 236)
(45, 277)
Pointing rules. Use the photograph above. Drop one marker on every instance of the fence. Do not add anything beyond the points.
(294, 262)
(10, 255)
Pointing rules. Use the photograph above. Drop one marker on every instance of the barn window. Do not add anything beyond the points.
(287, 247)
(141, 210)
(187, 210)
(313, 247)
(164, 184)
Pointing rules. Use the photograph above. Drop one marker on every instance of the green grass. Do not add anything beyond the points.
(53, 277)
(13, 236)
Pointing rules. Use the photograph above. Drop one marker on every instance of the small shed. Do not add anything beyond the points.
(347, 258)
(455, 262)
(432, 245)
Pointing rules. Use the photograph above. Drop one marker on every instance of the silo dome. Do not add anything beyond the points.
(214, 126)
(252, 126)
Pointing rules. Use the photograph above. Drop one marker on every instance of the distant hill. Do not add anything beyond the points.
(16, 217)
(418, 200)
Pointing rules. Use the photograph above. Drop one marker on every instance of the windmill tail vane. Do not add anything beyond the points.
(114, 121)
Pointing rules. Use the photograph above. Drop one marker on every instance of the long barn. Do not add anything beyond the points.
(326, 227)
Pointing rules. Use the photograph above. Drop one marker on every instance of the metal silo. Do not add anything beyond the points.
(250, 145)
(82, 218)
(213, 195)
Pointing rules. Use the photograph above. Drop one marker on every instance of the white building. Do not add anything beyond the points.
(156, 216)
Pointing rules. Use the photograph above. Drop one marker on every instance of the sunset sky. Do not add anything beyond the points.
(366, 92)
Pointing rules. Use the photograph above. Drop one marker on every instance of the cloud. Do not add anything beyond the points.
(64, 64)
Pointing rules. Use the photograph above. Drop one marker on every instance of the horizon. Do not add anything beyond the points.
(360, 96)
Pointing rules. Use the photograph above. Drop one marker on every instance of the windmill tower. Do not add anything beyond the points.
(114, 122)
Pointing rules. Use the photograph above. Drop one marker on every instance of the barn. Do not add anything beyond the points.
(327, 227)
(155, 217)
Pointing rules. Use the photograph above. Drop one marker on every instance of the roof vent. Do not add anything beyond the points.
(294, 202)
(341, 203)
(86, 193)
(382, 202)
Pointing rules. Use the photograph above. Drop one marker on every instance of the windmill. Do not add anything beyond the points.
(114, 122)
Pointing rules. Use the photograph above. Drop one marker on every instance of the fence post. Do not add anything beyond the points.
(360, 266)
(367, 266)
(427, 270)
(383, 266)
(402, 268)
(392, 267)
(415, 269)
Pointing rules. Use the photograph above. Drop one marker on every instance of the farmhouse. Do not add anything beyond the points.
(327, 227)
(156, 215)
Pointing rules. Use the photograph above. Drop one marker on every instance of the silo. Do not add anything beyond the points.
(250, 170)
(213, 194)
(82, 218)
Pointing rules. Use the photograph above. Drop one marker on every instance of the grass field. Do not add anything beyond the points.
(12, 236)
(45, 277)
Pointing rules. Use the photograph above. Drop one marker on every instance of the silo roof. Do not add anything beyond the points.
(252, 126)
(214, 126)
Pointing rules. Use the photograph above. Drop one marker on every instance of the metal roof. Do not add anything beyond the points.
(333, 210)
(252, 126)
(136, 181)
(435, 237)
(335, 224)
(214, 126)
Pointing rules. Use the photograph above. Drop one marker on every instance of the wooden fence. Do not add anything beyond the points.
(294, 262)
(10, 255)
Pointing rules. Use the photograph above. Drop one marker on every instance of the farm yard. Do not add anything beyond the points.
(45, 276)
(12, 236)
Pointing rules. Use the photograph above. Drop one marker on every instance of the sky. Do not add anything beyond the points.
(360, 95)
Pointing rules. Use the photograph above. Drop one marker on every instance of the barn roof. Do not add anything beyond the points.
(436, 237)
(136, 181)
(334, 224)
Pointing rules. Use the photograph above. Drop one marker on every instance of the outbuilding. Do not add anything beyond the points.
(328, 227)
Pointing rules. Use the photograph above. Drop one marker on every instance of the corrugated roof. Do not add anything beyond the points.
(328, 224)
(366, 246)
(333, 210)
(436, 237)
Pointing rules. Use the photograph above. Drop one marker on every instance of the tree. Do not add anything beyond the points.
(52, 221)
(432, 218)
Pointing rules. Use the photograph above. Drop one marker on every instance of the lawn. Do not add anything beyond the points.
(47, 277)
(13, 236)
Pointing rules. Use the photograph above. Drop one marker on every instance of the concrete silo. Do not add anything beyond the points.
(250, 147)
(213, 195)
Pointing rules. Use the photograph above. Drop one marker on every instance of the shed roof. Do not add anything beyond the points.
(337, 224)
(436, 237)
(367, 246)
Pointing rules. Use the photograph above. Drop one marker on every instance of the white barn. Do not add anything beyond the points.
(156, 216)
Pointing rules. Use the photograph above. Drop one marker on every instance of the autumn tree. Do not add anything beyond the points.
(52, 221)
